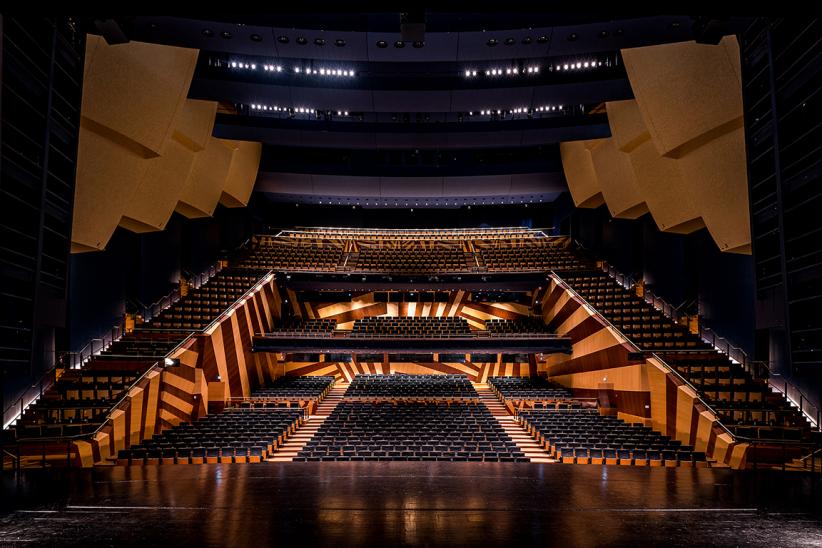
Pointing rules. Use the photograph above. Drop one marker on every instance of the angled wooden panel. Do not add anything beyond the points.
(617, 181)
(663, 187)
(659, 180)
(107, 173)
(195, 122)
(579, 171)
(242, 174)
(717, 175)
(158, 192)
(204, 185)
(627, 126)
(686, 91)
(135, 89)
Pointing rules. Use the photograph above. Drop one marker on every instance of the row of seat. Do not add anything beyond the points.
(583, 435)
(451, 386)
(527, 388)
(382, 326)
(411, 431)
(523, 326)
(236, 436)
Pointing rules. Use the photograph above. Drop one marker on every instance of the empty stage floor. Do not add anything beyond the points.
(405, 503)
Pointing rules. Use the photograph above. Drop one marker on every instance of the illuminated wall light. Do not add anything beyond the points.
(233, 64)
(565, 67)
(279, 68)
(253, 66)
(297, 70)
(536, 69)
(467, 73)
(508, 71)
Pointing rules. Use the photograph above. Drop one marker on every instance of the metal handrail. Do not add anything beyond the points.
(665, 364)
(227, 312)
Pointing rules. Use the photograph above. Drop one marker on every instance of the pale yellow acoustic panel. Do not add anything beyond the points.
(685, 91)
(242, 174)
(195, 122)
(205, 183)
(717, 174)
(156, 196)
(662, 184)
(135, 89)
(617, 181)
(109, 167)
(627, 127)
(580, 174)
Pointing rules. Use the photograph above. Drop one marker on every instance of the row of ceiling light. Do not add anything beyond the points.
(297, 70)
(296, 110)
(511, 71)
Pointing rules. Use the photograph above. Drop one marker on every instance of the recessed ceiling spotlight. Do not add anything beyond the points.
(604, 34)
(492, 42)
(283, 39)
(319, 41)
(510, 41)
(339, 42)
(382, 44)
(399, 44)
(527, 41)
(572, 37)
(256, 38)
(225, 35)
(302, 40)
(542, 39)
(208, 33)
(418, 44)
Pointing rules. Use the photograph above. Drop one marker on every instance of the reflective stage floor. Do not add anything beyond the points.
(412, 504)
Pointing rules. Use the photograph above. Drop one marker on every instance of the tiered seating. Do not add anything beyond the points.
(639, 321)
(448, 386)
(406, 431)
(527, 388)
(584, 436)
(80, 399)
(199, 308)
(298, 327)
(282, 254)
(296, 387)
(413, 261)
(745, 405)
(236, 436)
(535, 255)
(411, 327)
(516, 328)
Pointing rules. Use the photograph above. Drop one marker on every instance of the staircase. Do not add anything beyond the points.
(303, 435)
(509, 424)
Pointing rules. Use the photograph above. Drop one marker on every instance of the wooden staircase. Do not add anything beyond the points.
(304, 433)
(509, 424)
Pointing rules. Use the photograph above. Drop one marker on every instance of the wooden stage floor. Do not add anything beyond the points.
(409, 504)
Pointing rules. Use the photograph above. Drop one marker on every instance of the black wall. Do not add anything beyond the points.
(688, 271)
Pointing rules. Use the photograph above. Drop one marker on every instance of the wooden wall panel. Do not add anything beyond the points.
(580, 174)
(135, 89)
(109, 167)
(242, 174)
(194, 124)
(205, 183)
(617, 181)
(690, 98)
(156, 195)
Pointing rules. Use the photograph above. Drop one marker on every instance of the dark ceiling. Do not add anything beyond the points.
(432, 107)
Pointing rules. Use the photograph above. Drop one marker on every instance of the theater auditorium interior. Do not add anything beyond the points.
(411, 278)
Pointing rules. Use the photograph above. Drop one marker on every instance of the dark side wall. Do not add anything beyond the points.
(136, 270)
(688, 271)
